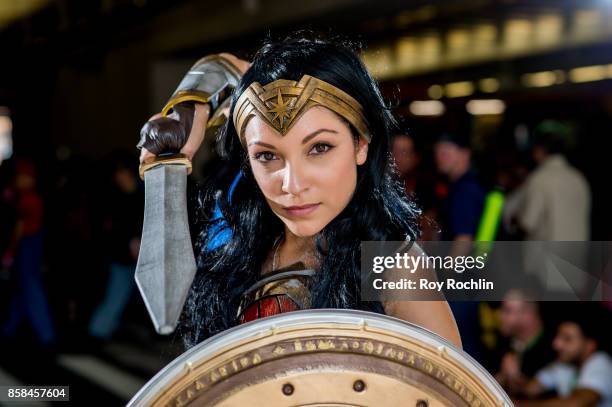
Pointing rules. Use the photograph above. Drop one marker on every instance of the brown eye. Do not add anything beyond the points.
(265, 156)
(320, 148)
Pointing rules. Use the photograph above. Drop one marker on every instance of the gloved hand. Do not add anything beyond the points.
(183, 130)
(170, 133)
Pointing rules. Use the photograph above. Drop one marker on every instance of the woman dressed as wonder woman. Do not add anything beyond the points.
(308, 134)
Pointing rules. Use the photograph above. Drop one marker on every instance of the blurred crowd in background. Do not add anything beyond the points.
(534, 348)
(86, 239)
(504, 114)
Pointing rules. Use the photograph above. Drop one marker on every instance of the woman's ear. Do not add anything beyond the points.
(361, 152)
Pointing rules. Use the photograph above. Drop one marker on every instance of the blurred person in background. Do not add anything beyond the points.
(554, 204)
(460, 216)
(527, 349)
(122, 227)
(75, 227)
(463, 207)
(24, 257)
(7, 212)
(582, 374)
(407, 153)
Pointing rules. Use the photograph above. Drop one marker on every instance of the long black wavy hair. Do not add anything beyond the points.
(378, 210)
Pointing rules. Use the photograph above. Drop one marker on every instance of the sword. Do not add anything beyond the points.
(166, 263)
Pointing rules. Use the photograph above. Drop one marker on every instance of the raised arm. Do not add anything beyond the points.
(166, 263)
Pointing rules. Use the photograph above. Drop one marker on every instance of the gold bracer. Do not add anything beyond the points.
(282, 102)
(209, 80)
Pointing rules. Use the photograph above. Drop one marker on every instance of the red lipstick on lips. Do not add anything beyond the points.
(302, 210)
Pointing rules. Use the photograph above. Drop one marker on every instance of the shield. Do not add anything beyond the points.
(323, 358)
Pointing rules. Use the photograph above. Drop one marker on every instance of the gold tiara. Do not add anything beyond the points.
(282, 102)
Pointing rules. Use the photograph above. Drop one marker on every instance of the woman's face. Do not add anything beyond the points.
(307, 176)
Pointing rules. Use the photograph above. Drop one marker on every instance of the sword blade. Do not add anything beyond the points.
(166, 264)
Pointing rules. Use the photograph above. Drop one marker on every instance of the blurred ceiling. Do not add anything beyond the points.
(433, 58)
(404, 38)
(436, 48)
(13, 10)
(495, 31)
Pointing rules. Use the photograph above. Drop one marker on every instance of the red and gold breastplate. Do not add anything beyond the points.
(276, 292)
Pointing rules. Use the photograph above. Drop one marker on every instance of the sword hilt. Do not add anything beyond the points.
(172, 159)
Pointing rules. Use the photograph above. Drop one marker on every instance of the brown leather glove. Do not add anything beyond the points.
(168, 134)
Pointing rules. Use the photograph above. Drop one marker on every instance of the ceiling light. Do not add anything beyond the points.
(435, 91)
(543, 79)
(459, 89)
(485, 107)
(588, 73)
(427, 108)
(488, 85)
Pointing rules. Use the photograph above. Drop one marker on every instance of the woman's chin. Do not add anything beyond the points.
(304, 229)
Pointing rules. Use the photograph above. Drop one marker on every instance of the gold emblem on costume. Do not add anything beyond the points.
(281, 110)
(282, 102)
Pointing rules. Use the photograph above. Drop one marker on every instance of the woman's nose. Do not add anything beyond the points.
(294, 179)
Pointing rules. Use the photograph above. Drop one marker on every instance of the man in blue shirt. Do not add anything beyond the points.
(461, 213)
(463, 207)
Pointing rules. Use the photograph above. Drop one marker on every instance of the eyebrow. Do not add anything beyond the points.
(261, 143)
(316, 133)
(304, 141)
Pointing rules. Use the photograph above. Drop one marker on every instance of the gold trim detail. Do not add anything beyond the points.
(200, 96)
(185, 96)
(176, 159)
(282, 102)
(196, 386)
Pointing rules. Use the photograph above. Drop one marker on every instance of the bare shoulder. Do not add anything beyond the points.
(434, 315)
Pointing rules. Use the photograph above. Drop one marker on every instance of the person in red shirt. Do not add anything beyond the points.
(24, 258)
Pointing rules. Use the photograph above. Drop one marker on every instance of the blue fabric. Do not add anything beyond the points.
(465, 200)
(220, 231)
(463, 211)
(107, 316)
(30, 301)
(467, 317)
